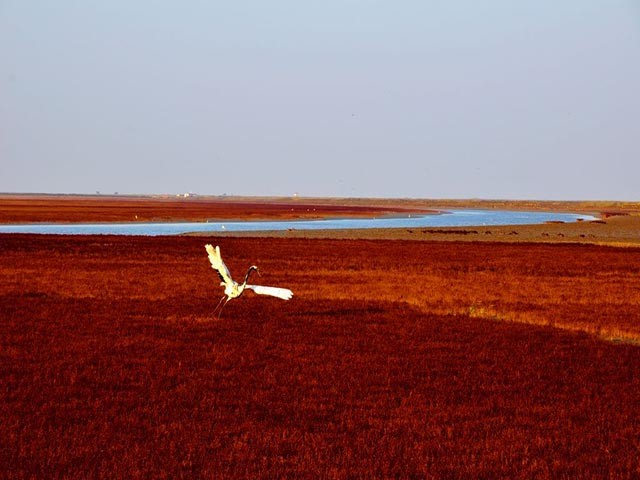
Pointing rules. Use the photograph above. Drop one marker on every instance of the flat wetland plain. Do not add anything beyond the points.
(402, 354)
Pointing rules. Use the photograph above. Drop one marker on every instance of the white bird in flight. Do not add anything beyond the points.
(233, 289)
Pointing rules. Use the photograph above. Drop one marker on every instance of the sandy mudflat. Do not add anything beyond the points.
(614, 231)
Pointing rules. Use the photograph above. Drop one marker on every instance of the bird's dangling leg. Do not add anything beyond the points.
(221, 308)
(219, 303)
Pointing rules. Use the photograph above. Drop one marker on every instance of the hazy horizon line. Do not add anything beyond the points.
(193, 195)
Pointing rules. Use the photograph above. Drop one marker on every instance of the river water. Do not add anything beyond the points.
(453, 218)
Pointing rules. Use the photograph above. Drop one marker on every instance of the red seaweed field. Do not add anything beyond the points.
(394, 359)
(98, 208)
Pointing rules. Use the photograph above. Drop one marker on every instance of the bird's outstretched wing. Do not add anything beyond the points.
(218, 265)
(283, 293)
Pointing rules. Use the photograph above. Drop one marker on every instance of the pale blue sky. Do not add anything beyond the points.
(492, 99)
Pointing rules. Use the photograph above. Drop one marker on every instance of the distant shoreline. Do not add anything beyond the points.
(619, 224)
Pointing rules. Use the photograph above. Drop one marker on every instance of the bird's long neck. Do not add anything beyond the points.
(246, 277)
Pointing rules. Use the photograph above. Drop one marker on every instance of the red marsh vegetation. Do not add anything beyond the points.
(74, 209)
(394, 359)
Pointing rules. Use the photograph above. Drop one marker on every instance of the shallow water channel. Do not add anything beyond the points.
(452, 218)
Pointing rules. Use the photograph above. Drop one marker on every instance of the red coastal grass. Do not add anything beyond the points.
(98, 208)
(383, 365)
